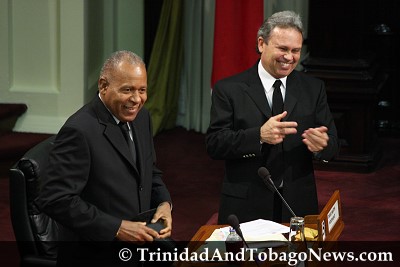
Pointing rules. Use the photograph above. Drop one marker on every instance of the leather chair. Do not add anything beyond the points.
(36, 234)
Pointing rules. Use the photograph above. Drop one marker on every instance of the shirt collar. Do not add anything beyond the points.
(115, 118)
(267, 79)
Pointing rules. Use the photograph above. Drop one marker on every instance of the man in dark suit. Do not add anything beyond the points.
(253, 125)
(95, 185)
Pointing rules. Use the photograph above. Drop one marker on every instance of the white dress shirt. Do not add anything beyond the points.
(268, 81)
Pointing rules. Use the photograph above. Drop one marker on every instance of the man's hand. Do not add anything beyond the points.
(136, 232)
(163, 212)
(316, 139)
(139, 233)
(274, 130)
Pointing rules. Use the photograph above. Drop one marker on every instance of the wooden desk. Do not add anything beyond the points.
(199, 237)
(329, 224)
(202, 235)
(205, 232)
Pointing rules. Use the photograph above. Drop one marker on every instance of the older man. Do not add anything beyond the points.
(98, 178)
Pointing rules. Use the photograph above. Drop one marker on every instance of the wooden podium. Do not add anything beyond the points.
(353, 88)
(329, 224)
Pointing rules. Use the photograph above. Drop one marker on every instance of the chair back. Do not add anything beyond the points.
(36, 233)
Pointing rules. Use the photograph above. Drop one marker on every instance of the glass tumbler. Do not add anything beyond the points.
(296, 232)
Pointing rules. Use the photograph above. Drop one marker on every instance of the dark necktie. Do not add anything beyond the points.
(277, 167)
(277, 100)
(131, 144)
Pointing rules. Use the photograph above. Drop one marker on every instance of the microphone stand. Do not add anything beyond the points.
(266, 177)
(280, 195)
(234, 223)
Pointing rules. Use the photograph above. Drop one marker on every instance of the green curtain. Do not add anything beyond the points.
(195, 95)
(165, 66)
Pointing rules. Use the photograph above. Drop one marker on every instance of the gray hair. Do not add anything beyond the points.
(118, 57)
(283, 19)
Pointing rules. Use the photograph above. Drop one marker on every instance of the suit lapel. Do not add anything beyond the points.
(112, 132)
(138, 145)
(256, 92)
(114, 135)
(293, 92)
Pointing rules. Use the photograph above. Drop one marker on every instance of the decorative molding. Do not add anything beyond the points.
(39, 124)
(34, 46)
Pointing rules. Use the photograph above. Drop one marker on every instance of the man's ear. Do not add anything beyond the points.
(260, 42)
(102, 83)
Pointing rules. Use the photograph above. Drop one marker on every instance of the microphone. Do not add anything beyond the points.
(233, 221)
(266, 177)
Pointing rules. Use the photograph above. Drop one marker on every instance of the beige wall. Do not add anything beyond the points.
(51, 52)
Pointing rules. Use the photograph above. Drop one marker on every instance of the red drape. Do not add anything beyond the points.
(235, 32)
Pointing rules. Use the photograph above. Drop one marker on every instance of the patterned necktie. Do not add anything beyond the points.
(131, 144)
(277, 100)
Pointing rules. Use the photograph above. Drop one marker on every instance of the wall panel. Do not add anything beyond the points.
(34, 46)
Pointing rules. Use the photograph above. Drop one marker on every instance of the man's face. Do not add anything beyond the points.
(124, 90)
(281, 54)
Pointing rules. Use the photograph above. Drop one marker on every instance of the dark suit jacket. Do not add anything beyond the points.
(91, 183)
(239, 109)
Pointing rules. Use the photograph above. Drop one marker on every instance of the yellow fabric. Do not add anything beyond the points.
(165, 67)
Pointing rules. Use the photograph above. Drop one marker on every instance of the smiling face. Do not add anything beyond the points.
(124, 90)
(281, 54)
